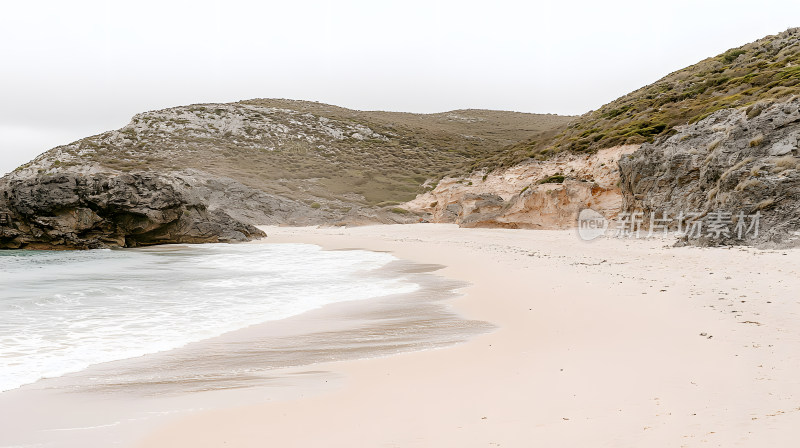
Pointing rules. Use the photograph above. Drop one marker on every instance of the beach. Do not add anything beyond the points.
(610, 343)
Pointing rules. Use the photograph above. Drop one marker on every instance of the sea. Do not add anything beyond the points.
(64, 311)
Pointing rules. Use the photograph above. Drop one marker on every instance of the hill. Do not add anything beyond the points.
(763, 71)
(303, 150)
(718, 138)
(251, 162)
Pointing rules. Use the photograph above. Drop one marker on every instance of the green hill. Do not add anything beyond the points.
(762, 71)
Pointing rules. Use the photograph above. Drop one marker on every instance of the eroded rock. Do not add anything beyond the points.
(80, 211)
(523, 197)
(727, 162)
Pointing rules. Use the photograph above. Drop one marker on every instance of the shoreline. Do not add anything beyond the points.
(598, 344)
(273, 360)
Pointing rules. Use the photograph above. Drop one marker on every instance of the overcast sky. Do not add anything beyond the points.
(75, 68)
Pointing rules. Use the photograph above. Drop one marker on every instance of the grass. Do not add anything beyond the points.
(766, 203)
(749, 183)
(785, 163)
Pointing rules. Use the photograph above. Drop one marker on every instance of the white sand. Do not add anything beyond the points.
(598, 345)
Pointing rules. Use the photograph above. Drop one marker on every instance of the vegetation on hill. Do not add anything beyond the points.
(752, 75)
(319, 154)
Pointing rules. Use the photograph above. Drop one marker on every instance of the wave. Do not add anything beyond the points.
(62, 312)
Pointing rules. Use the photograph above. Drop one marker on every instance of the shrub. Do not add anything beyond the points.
(755, 110)
(756, 141)
(315, 205)
(731, 55)
(554, 179)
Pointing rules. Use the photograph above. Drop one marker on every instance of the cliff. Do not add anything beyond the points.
(736, 161)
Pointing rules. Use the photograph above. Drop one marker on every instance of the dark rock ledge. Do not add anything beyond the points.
(85, 211)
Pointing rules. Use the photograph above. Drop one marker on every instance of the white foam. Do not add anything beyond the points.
(63, 311)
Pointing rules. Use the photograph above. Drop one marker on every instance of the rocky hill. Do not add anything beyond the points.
(208, 172)
(719, 136)
(765, 70)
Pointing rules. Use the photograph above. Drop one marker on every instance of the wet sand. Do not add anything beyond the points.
(114, 403)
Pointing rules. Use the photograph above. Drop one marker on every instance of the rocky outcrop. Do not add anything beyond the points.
(734, 161)
(536, 195)
(72, 210)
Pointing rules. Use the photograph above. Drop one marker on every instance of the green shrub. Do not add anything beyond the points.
(554, 179)
(731, 55)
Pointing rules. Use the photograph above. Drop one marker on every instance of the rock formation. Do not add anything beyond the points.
(734, 161)
(534, 195)
(81, 211)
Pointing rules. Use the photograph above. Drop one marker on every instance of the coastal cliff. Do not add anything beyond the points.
(734, 161)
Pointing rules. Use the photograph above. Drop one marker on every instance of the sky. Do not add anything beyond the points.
(78, 68)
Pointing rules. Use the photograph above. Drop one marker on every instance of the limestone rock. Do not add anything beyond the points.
(515, 198)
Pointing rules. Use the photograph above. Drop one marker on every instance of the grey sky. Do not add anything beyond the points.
(72, 69)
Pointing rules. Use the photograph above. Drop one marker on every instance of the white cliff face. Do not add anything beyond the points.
(521, 197)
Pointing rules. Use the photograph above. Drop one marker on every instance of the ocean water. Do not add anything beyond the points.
(61, 312)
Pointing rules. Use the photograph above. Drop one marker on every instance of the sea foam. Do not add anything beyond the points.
(61, 312)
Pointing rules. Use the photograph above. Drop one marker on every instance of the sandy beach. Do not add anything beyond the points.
(610, 343)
